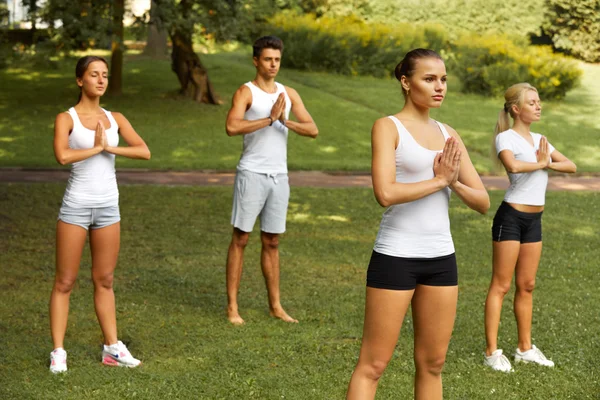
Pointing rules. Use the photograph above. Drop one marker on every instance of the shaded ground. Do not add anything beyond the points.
(297, 178)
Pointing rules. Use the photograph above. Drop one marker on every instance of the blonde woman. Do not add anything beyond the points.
(517, 227)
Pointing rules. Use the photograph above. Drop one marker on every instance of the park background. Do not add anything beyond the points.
(174, 68)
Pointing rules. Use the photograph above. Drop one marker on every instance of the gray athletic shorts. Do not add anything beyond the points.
(264, 195)
(94, 218)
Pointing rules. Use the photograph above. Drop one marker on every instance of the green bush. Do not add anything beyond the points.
(348, 45)
(574, 27)
(489, 64)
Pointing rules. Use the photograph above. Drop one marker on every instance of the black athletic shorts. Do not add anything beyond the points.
(510, 224)
(399, 273)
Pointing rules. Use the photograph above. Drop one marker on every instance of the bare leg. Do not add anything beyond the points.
(105, 243)
(269, 259)
(70, 240)
(384, 313)
(505, 258)
(527, 266)
(235, 261)
(434, 311)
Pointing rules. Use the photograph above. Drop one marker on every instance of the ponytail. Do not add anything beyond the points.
(503, 123)
(513, 96)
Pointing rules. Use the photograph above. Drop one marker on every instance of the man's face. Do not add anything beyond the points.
(267, 65)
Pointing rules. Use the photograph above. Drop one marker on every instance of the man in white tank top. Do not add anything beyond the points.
(259, 111)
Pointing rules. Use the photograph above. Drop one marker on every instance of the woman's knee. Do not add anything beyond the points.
(64, 284)
(372, 370)
(525, 285)
(432, 365)
(499, 287)
(104, 281)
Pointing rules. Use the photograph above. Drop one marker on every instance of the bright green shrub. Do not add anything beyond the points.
(348, 45)
(574, 27)
(490, 64)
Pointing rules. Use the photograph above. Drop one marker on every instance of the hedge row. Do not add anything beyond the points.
(485, 64)
(348, 45)
(489, 64)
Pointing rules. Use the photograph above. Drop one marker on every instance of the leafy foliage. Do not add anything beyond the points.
(489, 64)
(574, 26)
(83, 24)
(349, 45)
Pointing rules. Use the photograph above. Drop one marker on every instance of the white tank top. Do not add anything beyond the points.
(420, 228)
(526, 187)
(93, 182)
(265, 150)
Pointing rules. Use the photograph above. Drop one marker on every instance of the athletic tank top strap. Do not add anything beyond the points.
(113, 122)
(75, 118)
(399, 127)
(443, 129)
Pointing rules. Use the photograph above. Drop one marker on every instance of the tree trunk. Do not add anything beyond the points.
(116, 59)
(156, 43)
(192, 75)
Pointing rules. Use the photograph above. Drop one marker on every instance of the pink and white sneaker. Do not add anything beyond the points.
(58, 361)
(117, 355)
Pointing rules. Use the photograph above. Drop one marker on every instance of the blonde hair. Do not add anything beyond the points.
(513, 96)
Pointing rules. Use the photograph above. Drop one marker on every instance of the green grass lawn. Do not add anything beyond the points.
(185, 135)
(170, 287)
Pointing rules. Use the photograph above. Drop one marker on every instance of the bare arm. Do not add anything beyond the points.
(136, 147)
(384, 140)
(305, 125)
(560, 163)
(514, 166)
(469, 187)
(236, 124)
(65, 155)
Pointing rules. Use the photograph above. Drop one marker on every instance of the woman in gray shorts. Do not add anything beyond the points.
(87, 136)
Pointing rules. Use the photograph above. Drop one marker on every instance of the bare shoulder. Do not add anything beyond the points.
(243, 94)
(64, 119)
(451, 130)
(291, 91)
(117, 115)
(384, 124)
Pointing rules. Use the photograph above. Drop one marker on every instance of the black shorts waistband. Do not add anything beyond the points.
(507, 207)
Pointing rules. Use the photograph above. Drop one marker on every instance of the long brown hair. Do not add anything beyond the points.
(82, 65)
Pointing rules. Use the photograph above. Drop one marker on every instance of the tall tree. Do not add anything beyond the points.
(116, 59)
(180, 20)
(32, 12)
(156, 43)
(4, 13)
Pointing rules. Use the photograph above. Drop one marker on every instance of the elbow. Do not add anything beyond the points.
(148, 154)
(230, 130)
(314, 133)
(61, 160)
(574, 169)
(484, 207)
(383, 199)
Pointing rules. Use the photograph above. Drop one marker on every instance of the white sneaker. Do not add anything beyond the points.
(533, 355)
(58, 361)
(117, 355)
(497, 361)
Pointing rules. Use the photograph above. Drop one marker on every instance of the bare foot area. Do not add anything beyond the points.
(234, 317)
(282, 315)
